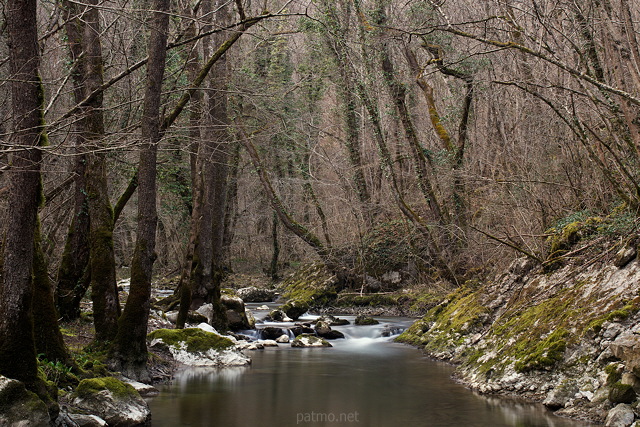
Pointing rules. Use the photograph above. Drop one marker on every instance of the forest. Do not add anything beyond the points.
(194, 138)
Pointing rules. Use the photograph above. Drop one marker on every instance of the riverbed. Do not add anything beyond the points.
(363, 380)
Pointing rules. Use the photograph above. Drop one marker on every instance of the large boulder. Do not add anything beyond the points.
(254, 294)
(271, 333)
(20, 407)
(307, 340)
(115, 401)
(333, 321)
(236, 314)
(627, 348)
(620, 416)
(197, 347)
(324, 330)
(365, 320)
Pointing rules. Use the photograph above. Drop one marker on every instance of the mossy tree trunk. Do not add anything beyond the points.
(208, 270)
(17, 347)
(73, 274)
(106, 307)
(48, 338)
(130, 347)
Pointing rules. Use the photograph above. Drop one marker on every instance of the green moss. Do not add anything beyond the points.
(621, 393)
(194, 339)
(92, 386)
(614, 373)
(546, 354)
(311, 286)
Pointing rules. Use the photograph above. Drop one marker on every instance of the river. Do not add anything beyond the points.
(364, 380)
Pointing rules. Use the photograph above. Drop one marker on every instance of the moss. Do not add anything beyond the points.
(621, 393)
(194, 339)
(614, 372)
(91, 386)
(546, 354)
(311, 286)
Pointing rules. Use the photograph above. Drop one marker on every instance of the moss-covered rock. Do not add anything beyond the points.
(20, 407)
(193, 339)
(310, 286)
(197, 347)
(308, 340)
(117, 402)
(365, 320)
(621, 393)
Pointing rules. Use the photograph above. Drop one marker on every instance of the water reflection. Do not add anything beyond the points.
(365, 380)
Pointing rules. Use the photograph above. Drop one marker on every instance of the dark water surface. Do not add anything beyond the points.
(363, 381)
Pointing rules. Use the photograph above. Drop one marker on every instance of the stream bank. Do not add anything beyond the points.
(568, 338)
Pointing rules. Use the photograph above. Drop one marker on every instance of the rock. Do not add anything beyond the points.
(332, 335)
(632, 380)
(620, 416)
(299, 329)
(283, 339)
(277, 316)
(88, 420)
(20, 407)
(561, 395)
(307, 340)
(145, 390)
(118, 403)
(627, 348)
(365, 320)
(236, 314)
(192, 317)
(625, 255)
(621, 393)
(333, 321)
(522, 266)
(271, 333)
(295, 309)
(263, 307)
(269, 343)
(322, 328)
(254, 294)
(195, 347)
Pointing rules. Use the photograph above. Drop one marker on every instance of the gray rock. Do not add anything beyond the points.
(118, 403)
(625, 255)
(277, 316)
(322, 328)
(88, 420)
(307, 340)
(620, 416)
(254, 294)
(145, 390)
(365, 320)
(627, 348)
(20, 407)
(283, 339)
(561, 395)
(271, 333)
(236, 314)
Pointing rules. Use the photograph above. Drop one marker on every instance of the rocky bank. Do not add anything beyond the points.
(569, 338)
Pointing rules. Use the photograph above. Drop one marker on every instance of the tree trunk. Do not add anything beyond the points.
(17, 348)
(73, 273)
(106, 308)
(130, 347)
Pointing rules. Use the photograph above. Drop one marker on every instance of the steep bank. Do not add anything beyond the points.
(568, 338)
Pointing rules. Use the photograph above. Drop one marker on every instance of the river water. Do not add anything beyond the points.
(363, 381)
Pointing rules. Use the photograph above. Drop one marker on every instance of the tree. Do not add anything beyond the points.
(17, 346)
(130, 347)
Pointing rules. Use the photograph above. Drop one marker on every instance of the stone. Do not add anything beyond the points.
(195, 347)
(620, 416)
(322, 328)
(236, 313)
(88, 420)
(332, 335)
(254, 294)
(625, 255)
(307, 340)
(283, 339)
(269, 343)
(299, 329)
(333, 321)
(116, 402)
(627, 348)
(145, 390)
(621, 393)
(20, 407)
(263, 307)
(271, 333)
(365, 320)
(277, 316)
(561, 395)
(632, 380)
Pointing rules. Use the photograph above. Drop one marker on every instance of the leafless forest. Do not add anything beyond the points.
(193, 137)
